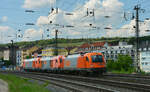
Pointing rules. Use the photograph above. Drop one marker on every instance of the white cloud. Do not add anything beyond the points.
(6, 34)
(42, 20)
(59, 18)
(92, 4)
(81, 21)
(128, 30)
(112, 4)
(3, 19)
(4, 28)
(31, 4)
(32, 34)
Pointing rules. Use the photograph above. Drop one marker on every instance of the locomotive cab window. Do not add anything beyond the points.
(87, 59)
(97, 58)
(60, 60)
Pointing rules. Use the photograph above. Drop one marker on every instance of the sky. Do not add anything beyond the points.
(88, 19)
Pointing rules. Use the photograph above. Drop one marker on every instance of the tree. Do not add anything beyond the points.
(124, 62)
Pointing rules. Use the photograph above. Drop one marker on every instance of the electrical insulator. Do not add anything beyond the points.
(50, 22)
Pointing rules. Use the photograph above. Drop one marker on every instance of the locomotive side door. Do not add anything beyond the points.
(87, 62)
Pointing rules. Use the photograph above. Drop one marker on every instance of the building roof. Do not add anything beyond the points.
(96, 44)
(85, 45)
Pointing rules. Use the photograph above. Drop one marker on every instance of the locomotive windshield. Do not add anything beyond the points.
(97, 58)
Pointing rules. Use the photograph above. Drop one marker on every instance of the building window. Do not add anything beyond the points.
(146, 63)
(116, 52)
(121, 51)
(111, 52)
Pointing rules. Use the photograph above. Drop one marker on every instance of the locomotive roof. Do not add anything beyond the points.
(75, 55)
(29, 60)
(46, 58)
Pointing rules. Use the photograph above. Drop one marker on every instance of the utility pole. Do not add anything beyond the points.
(56, 43)
(137, 8)
(12, 53)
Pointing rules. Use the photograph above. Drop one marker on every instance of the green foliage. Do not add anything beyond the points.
(28, 57)
(17, 84)
(7, 63)
(123, 64)
(143, 73)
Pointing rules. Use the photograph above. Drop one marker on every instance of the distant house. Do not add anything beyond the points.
(112, 52)
(49, 51)
(10, 54)
(144, 45)
(144, 57)
(37, 53)
(19, 59)
(6, 54)
(145, 61)
(87, 47)
(27, 52)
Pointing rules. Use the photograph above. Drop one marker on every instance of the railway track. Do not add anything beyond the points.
(134, 78)
(93, 84)
(73, 86)
(128, 75)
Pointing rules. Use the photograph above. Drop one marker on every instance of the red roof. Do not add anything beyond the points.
(85, 45)
(96, 44)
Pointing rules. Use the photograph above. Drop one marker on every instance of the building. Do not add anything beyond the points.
(50, 51)
(144, 45)
(19, 60)
(112, 52)
(145, 61)
(144, 57)
(87, 47)
(6, 54)
(27, 52)
(10, 54)
(37, 53)
(30, 52)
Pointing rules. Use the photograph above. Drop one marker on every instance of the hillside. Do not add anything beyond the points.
(73, 42)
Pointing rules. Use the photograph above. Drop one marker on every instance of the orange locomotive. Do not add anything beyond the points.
(80, 63)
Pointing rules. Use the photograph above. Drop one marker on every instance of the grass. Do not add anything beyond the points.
(18, 84)
(122, 71)
(70, 44)
(132, 71)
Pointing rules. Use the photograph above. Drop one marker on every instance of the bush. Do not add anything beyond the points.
(123, 64)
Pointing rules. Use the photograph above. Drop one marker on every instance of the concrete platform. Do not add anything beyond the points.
(3, 86)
